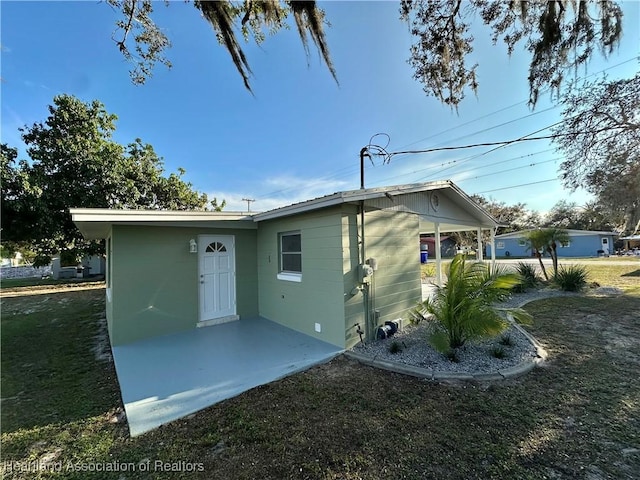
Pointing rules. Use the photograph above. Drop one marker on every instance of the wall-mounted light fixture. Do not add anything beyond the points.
(193, 246)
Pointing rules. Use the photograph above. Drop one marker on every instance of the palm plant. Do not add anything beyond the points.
(537, 240)
(553, 237)
(465, 307)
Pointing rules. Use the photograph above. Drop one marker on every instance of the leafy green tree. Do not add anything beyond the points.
(564, 214)
(599, 217)
(217, 207)
(599, 137)
(510, 217)
(76, 163)
(593, 215)
(465, 307)
(560, 35)
(16, 214)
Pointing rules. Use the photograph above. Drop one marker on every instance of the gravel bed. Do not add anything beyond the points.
(473, 358)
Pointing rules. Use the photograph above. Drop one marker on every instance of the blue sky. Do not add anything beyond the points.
(300, 134)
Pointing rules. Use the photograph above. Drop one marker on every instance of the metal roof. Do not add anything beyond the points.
(576, 233)
(95, 223)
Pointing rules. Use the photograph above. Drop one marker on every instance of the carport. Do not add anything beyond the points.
(165, 378)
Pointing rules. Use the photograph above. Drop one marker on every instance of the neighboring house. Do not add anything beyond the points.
(447, 245)
(313, 266)
(632, 242)
(582, 243)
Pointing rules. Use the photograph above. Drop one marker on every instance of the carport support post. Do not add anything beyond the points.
(480, 252)
(438, 255)
(493, 246)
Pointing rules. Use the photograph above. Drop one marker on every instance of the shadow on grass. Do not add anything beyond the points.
(635, 273)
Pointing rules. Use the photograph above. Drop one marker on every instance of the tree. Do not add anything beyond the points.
(591, 216)
(564, 214)
(76, 163)
(599, 217)
(510, 217)
(464, 308)
(537, 243)
(599, 137)
(250, 16)
(547, 240)
(560, 35)
(16, 214)
(554, 236)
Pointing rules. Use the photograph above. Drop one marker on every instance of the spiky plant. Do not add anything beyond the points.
(465, 307)
(529, 275)
(572, 278)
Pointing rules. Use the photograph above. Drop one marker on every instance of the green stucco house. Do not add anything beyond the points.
(333, 267)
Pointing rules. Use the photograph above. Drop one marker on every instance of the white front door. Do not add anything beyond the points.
(217, 277)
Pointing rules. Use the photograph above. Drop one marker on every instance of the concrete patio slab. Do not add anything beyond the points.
(166, 378)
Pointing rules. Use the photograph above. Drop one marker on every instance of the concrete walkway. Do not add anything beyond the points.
(166, 378)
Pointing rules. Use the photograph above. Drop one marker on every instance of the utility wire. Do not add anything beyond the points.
(450, 162)
(507, 170)
(522, 102)
(518, 186)
(346, 171)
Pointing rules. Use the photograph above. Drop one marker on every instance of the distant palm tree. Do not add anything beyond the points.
(537, 241)
(553, 236)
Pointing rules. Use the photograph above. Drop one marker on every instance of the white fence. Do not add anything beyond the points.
(24, 271)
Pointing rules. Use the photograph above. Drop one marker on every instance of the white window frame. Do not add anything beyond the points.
(500, 245)
(565, 244)
(289, 275)
(522, 243)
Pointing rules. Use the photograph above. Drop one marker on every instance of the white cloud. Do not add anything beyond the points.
(279, 191)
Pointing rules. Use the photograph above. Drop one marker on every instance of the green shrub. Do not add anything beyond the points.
(464, 308)
(498, 352)
(395, 347)
(506, 340)
(452, 355)
(572, 278)
(528, 276)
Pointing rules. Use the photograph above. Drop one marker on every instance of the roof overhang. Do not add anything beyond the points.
(96, 223)
(574, 233)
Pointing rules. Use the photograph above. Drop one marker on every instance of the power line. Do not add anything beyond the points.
(349, 170)
(458, 161)
(525, 102)
(518, 186)
(508, 169)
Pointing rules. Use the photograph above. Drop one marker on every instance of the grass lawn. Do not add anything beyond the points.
(577, 417)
